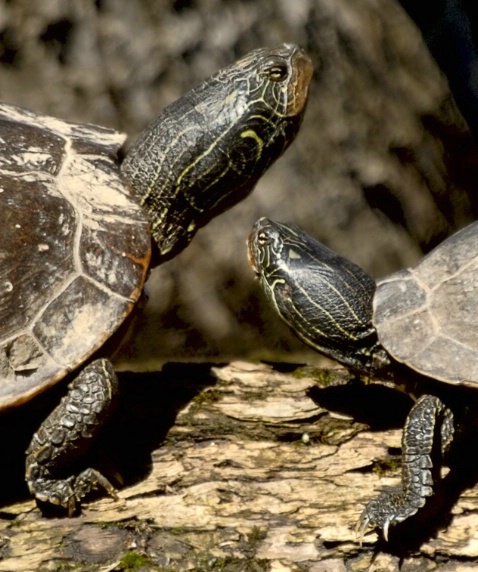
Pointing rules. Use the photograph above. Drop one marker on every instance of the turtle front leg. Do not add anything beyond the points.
(426, 417)
(67, 433)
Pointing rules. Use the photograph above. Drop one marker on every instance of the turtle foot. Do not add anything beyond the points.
(66, 493)
(388, 509)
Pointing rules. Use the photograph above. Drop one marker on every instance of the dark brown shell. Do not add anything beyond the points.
(74, 248)
(426, 316)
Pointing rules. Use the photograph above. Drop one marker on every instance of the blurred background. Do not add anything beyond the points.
(384, 168)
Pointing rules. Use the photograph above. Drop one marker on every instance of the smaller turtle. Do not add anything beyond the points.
(416, 327)
(76, 226)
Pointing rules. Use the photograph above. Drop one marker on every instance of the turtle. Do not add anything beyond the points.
(415, 328)
(82, 222)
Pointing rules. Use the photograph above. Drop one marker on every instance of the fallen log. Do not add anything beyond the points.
(244, 467)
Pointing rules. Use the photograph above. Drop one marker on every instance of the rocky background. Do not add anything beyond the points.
(383, 169)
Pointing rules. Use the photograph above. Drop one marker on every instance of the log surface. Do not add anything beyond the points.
(245, 470)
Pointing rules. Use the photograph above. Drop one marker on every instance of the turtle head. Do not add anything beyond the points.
(206, 151)
(325, 299)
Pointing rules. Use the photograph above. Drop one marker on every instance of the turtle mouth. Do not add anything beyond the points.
(251, 251)
(302, 70)
(258, 245)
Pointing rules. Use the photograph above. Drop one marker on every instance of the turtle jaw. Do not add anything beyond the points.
(252, 254)
(301, 75)
(256, 244)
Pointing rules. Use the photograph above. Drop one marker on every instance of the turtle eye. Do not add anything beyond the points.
(277, 72)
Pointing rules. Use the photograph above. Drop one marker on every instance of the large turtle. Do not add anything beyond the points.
(417, 327)
(76, 226)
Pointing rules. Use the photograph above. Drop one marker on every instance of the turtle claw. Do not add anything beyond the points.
(361, 527)
(385, 529)
(365, 522)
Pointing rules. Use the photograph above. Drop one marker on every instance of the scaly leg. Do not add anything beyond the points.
(67, 434)
(424, 419)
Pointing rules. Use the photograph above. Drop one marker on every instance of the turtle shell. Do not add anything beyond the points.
(74, 248)
(427, 316)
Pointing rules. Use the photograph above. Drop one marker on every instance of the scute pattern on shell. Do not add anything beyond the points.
(74, 248)
(426, 316)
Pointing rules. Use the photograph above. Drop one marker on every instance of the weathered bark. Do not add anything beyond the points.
(253, 474)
